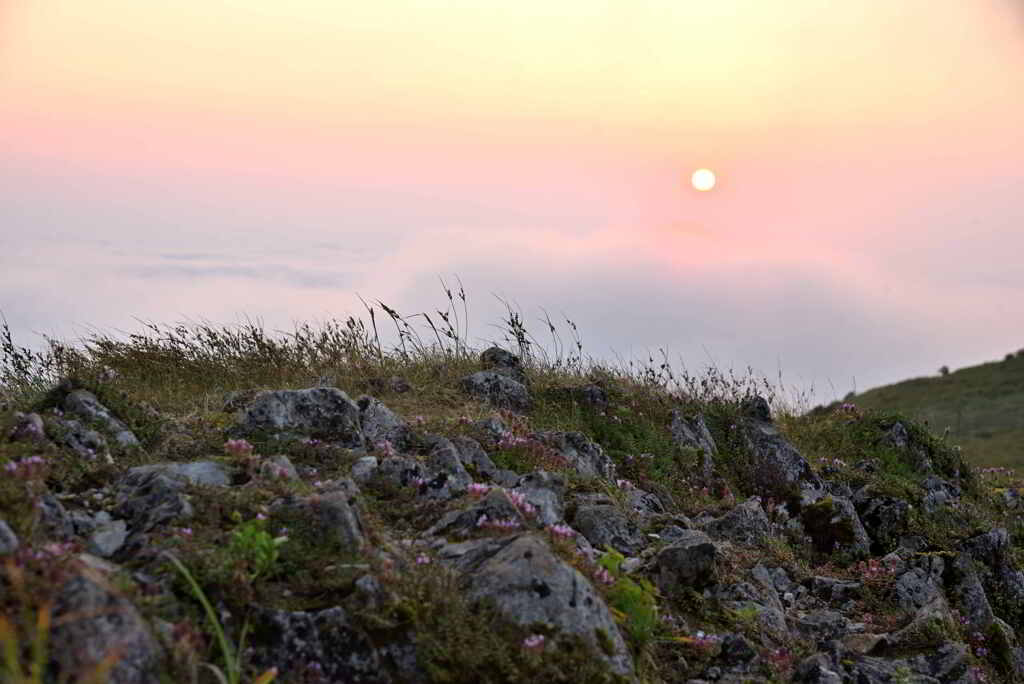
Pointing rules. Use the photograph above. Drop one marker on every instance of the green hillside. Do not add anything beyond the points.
(983, 407)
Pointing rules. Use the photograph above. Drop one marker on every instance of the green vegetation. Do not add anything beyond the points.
(982, 406)
(243, 548)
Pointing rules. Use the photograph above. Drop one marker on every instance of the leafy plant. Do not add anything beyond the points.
(254, 548)
(232, 656)
(632, 602)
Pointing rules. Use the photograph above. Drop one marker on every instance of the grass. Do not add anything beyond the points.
(170, 383)
(981, 406)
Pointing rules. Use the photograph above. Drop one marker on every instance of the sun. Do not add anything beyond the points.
(703, 179)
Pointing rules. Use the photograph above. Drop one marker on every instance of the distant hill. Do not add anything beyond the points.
(983, 406)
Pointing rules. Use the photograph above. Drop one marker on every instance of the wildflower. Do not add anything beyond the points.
(419, 420)
(534, 641)
(604, 577)
(261, 516)
(562, 531)
(624, 484)
(422, 559)
(386, 447)
(478, 488)
(238, 447)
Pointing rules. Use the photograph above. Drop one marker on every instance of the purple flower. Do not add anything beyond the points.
(534, 641)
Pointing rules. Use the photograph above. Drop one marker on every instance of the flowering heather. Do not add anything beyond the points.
(518, 500)
(561, 531)
(534, 642)
(238, 447)
(478, 488)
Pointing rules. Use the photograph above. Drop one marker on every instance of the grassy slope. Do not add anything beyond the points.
(169, 387)
(983, 406)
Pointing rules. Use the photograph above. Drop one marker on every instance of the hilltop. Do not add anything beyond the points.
(982, 406)
(202, 505)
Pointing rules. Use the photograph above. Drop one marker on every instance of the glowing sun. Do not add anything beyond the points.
(703, 179)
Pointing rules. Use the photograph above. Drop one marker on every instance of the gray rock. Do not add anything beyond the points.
(747, 523)
(498, 360)
(108, 538)
(381, 424)
(584, 456)
(833, 525)
(331, 517)
(28, 427)
(592, 395)
(644, 504)
(776, 468)
(398, 472)
(364, 468)
(900, 439)
(938, 493)
(692, 433)
(885, 518)
(314, 646)
(544, 491)
(325, 413)
(55, 520)
(278, 467)
(930, 628)
(491, 429)
(91, 621)
(920, 585)
(608, 526)
(499, 389)
(822, 625)
(448, 477)
(86, 442)
(834, 590)
(474, 458)
(205, 473)
(495, 506)
(964, 587)
(85, 404)
(530, 585)
(8, 540)
(690, 560)
(149, 496)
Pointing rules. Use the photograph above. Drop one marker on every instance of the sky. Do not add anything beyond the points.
(220, 160)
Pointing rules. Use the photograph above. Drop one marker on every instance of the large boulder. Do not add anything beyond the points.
(587, 458)
(775, 467)
(324, 413)
(747, 523)
(607, 526)
(499, 389)
(530, 585)
(689, 561)
(331, 517)
(380, 424)
(92, 622)
(85, 404)
(497, 360)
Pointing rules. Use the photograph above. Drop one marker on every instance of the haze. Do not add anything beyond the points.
(217, 159)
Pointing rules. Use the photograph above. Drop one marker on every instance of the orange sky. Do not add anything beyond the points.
(869, 157)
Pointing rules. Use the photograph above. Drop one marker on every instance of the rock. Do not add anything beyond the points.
(205, 473)
(92, 622)
(499, 389)
(592, 395)
(964, 587)
(398, 472)
(584, 456)
(329, 518)
(498, 360)
(324, 413)
(491, 430)
(544, 491)
(644, 504)
(8, 540)
(744, 524)
(920, 585)
(530, 585)
(85, 404)
(690, 561)
(149, 496)
(380, 424)
(495, 511)
(885, 519)
(108, 538)
(938, 493)
(87, 443)
(833, 524)
(608, 526)
(931, 627)
(474, 458)
(57, 524)
(776, 468)
(313, 646)
(736, 650)
(364, 468)
(448, 477)
(693, 433)
(822, 625)
(834, 590)
(278, 467)
(28, 427)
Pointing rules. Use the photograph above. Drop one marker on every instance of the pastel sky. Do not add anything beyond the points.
(215, 159)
